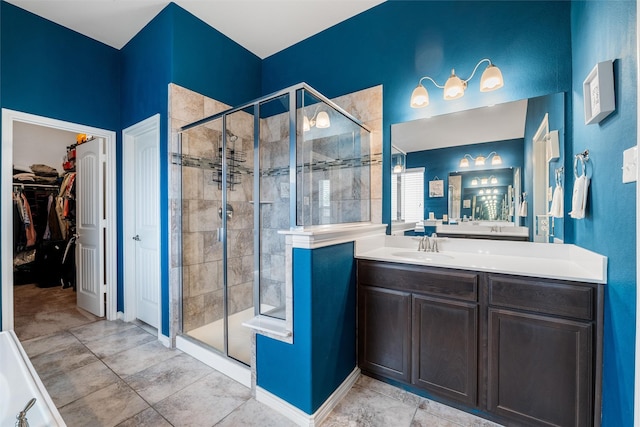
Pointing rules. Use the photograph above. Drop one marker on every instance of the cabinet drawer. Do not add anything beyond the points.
(542, 296)
(414, 278)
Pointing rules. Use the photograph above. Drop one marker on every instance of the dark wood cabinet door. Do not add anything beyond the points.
(445, 353)
(540, 369)
(384, 338)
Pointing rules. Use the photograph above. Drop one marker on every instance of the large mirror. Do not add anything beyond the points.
(484, 173)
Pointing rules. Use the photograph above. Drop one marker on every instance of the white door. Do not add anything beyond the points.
(90, 223)
(142, 221)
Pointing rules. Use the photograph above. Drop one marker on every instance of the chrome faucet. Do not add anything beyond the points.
(423, 243)
(434, 243)
(428, 244)
(22, 415)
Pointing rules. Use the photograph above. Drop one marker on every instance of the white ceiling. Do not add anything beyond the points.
(264, 27)
(496, 123)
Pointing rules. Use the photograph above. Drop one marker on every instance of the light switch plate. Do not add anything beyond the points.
(630, 165)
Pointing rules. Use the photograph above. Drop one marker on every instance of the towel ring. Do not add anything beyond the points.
(582, 158)
(559, 172)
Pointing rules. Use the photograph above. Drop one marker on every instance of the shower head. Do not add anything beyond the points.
(231, 136)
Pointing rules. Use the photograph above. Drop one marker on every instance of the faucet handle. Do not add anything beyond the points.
(22, 416)
(434, 243)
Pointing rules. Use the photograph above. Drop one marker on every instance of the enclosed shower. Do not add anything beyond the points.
(292, 159)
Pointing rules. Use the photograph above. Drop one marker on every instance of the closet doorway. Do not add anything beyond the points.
(96, 214)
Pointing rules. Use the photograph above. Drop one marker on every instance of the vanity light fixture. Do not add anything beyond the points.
(454, 87)
(480, 160)
(400, 160)
(320, 119)
(493, 179)
(481, 192)
(495, 191)
(474, 181)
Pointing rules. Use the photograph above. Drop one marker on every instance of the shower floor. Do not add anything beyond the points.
(212, 334)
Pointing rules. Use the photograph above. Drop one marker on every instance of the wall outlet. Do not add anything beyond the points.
(630, 165)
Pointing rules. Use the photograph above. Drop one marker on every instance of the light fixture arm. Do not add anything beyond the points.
(432, 81)
(476, 68)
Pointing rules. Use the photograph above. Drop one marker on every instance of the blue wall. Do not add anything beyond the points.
(50, 71)
(440, 162)
(146, 74)
(176, 47)
(393, 44)
(602, 31)
(397, 42)
(539, 53)
(54, 72)
(210, 63)
(323, 353)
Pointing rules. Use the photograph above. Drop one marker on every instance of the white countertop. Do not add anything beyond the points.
(545, 260)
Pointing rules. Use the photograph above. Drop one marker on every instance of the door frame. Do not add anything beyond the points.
(129, 136)
(540, 199)
(637, 358)
(9, 117)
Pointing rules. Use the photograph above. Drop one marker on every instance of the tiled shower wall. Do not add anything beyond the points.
(196, 256)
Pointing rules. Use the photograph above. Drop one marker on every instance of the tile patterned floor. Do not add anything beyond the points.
(102, 373)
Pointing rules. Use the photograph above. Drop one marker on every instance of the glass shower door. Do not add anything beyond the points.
(217, 233)
(239, 253)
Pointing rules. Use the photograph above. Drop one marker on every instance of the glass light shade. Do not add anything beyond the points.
(464, 162)
(496, 160)
(494, 180)
(419, 97)
(397, 168)
(306, 126)
(474, 181)
(491, 79)
(454, 87)
(481, 192)
(484, 181)
(479, 160)
(322, 120)
(495, 191)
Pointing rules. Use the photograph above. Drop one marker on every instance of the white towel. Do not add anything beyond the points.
(557, 209)
(579, 199)
(523, 209)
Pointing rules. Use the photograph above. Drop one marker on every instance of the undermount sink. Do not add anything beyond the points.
(422, 256)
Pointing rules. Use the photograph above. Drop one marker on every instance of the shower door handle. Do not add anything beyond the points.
(137, 238)
(220, 234)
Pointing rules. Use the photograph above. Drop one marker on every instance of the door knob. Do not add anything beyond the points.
(136, 238)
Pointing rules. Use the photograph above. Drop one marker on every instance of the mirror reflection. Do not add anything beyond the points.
(481, 173)
(484, 196)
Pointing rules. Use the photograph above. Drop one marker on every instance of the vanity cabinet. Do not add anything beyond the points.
(385, 340)
(541, 350)
(419, 325)
(444, 352)
(525, 351)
